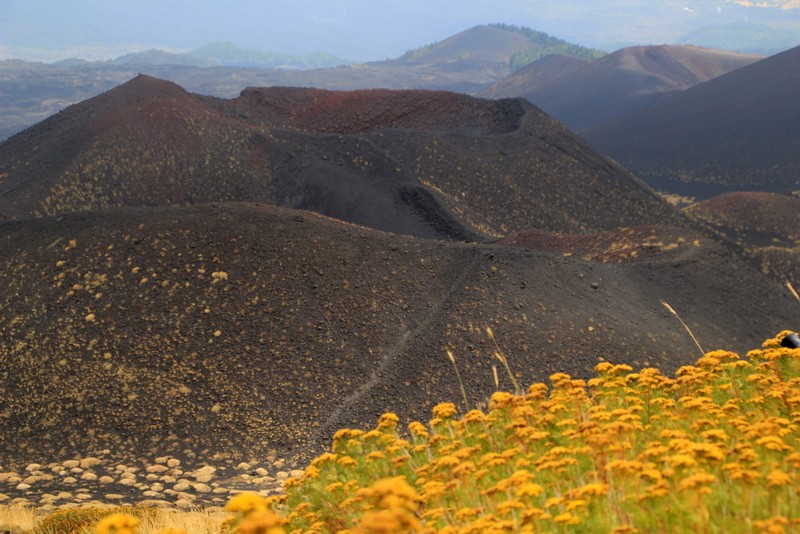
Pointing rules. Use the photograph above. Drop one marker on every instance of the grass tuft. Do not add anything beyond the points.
(673, 312)
(789, 285)
(452, 359)
(502, 359)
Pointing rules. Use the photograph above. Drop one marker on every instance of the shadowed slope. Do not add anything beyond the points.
(534, 76)
(736, 132)
(430, 164)
(238, 331)
(627, 80)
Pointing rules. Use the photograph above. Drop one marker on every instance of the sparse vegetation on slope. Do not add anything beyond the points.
(765, 225)
(542, 44)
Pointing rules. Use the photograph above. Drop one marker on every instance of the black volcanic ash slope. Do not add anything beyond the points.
(424, 163)
(231, 331)
(740, 131)
(766, 227)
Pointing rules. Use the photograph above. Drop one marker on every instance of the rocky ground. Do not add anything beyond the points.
(163, 481)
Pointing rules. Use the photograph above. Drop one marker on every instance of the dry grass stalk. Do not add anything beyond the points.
(502, 359)
(460, 382)
(789, 285)
(673, 312)
(23, 518)
(200, 521)
(496, 378)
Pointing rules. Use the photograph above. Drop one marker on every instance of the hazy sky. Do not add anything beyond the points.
(352, 29)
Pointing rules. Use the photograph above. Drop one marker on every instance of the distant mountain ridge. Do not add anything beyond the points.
(518, 45)
(224, 54)
(466, 62)
(745, 37)
(740, 131)
(589, 94)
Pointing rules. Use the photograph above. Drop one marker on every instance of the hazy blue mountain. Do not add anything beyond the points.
(230, 55)
(746, 37)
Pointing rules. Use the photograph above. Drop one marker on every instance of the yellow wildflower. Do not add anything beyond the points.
(500, 399)
(433, 488)
(773, 443)
(445, 410)
(567, 519)
(346, 433)
(537, 391)
(716, 434)
(577, 503)
(323, 458)
(626, 466)
(559, 379)
(532, 514)
(794, 460)
(593, 489)
(466, 513)
(554, 501)
(652, 474)
(464, 468)
(434, 513)
(418, 430)
(399, 461)
(773, 525)
(708, 451)
(386, 490)
(625, 529)
(333, 486)
(117, 524)
(681, 460)
(448, 461)
(246, 502)
(389, 521)
(388, 420)
(777, 477)
(529, 489)
(696, 480)
(474, 416)
(261, 522)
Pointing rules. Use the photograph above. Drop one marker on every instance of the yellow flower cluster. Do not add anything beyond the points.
(117, 524)
(252, 515)
(716, 448)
